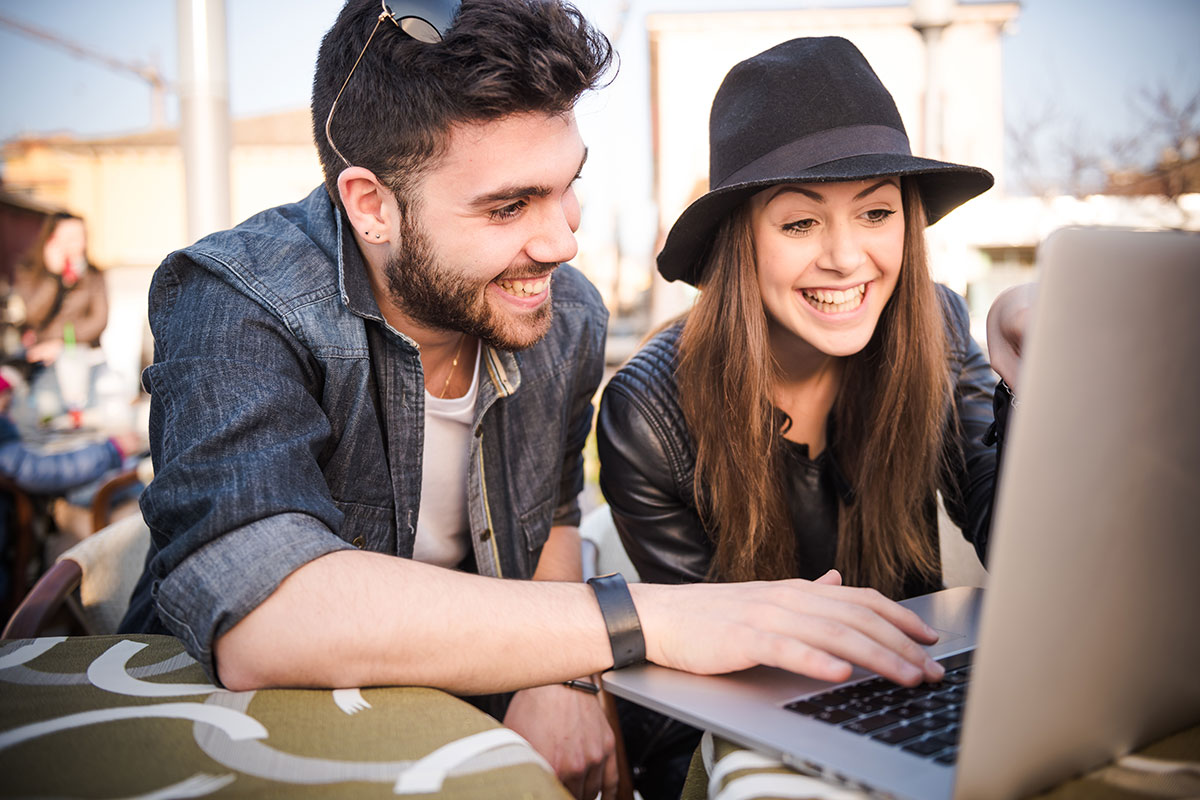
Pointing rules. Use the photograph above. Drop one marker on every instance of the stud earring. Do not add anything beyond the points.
(377, 236)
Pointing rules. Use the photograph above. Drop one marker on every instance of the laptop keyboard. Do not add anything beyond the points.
(924, 720)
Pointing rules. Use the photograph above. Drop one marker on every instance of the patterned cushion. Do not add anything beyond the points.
(122, 716)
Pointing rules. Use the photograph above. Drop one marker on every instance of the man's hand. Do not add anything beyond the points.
(568, 727)
(1007, 321)
(817, 628)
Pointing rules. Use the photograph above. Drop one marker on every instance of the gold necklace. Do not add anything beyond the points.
(453, 364)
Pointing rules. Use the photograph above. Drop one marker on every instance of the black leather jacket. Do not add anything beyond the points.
(647, 465)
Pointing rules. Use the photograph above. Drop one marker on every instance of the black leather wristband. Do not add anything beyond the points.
(621, 619)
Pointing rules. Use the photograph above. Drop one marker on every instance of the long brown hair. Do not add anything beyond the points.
(33, 263)
(888, 420)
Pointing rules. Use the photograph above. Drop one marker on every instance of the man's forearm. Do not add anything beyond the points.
(364, 619)
(352, 618)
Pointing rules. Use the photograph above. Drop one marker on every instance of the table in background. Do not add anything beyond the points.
(135, 716)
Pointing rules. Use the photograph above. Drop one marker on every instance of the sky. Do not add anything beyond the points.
(1074, 66)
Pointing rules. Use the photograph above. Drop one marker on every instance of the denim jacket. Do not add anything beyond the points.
(287, 422)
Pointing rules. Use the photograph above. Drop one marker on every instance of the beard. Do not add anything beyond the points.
(437, 295)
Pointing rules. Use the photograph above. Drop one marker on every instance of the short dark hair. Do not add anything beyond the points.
(499, 57)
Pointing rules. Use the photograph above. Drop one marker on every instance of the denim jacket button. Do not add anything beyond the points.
(359, 542)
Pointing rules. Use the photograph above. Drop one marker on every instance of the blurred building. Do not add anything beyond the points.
(130, 190)
(648, 133)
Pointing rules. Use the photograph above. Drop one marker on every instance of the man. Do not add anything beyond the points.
(361, 399)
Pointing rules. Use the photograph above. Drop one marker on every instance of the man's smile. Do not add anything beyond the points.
(527, 287)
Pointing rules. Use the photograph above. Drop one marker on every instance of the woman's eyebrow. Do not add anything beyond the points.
(786, 188)
(817, 197)
(869, 189)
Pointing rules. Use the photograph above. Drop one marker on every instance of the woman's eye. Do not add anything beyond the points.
(507, 212)
(800, 226)
(878, 215)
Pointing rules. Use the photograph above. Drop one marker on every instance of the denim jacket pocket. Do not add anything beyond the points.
(535, 526)
(368, 527)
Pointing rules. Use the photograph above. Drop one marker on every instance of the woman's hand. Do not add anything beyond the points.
(1007, 321)
(817, 628)
(45, 352)
(130, 443)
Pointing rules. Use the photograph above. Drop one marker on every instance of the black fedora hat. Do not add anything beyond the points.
(805, 111)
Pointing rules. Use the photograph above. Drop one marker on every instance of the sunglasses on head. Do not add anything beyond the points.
(424, 20)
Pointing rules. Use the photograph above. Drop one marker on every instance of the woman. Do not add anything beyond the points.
(64, 296)
(804, 414)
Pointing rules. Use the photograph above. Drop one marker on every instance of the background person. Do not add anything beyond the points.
(51, 474)
(41, 472)
(63, 294)
(804, 414)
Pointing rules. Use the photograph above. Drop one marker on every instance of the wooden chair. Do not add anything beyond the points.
(102, 503)
(89, 585)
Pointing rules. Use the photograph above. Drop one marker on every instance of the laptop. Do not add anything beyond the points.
(1085, 644)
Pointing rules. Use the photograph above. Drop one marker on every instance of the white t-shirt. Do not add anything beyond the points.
(443, 528)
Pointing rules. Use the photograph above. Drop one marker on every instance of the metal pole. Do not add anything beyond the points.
(204, 114)
(931, 18)
(933, 92)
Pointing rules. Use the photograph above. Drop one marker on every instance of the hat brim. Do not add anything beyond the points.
(943, 187)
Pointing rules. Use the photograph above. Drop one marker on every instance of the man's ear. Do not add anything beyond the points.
(369, 204)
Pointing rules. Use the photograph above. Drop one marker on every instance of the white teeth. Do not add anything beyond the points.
(523, 288)
(835, 301)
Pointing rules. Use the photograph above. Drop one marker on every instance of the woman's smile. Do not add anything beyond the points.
(835, 301)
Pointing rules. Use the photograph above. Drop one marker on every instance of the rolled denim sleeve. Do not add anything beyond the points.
(199, 610)
(238, 501)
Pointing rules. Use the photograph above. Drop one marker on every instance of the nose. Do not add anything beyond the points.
(841, 251)
(554, 241)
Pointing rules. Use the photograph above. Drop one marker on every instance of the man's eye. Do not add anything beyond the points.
(507, 212)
